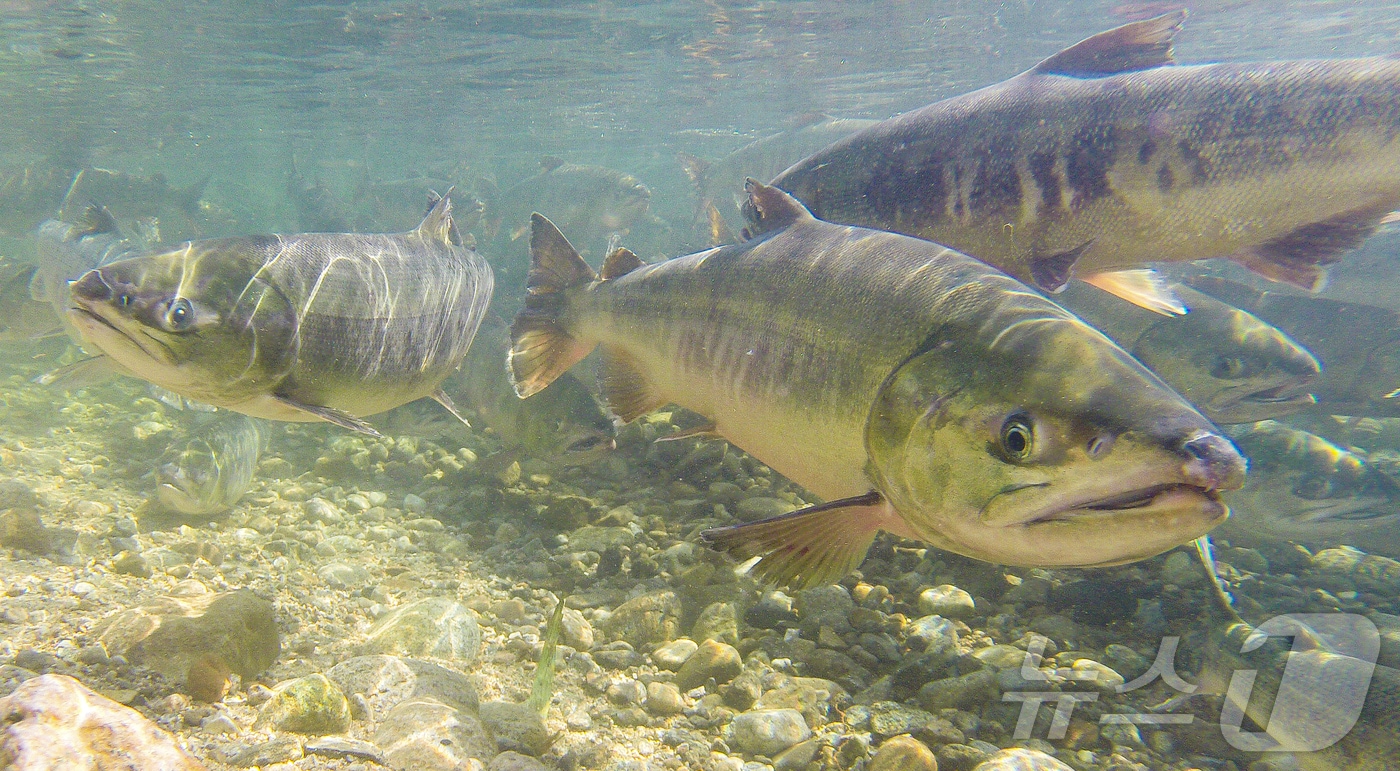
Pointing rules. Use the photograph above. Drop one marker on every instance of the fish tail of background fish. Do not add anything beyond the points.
(541, 347)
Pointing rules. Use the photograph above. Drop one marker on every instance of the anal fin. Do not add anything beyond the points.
(1309, 278)
(332, 415)
(442, 398)
(813, 546)
(1052, 271)
(1141, 287)
(626, 390)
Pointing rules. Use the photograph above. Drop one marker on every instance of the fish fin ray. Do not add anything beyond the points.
(331, 415)
(1052, 271)
(705, 431)
(1142, 287)
(696, 169)
(97, 219)
(768, 208)
(809, 547)
(437, 225)
(626, 390)
(1139, 45)
(1300, 256)
(619, 262)
(719, 229)
(79, 374)
(1309, 278)
(541, 349)
(440, 396)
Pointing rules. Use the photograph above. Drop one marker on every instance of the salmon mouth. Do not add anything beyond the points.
(1284, 393)
(89, 321)
(1170, 497)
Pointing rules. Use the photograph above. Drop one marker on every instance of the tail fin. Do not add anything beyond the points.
(541, 348)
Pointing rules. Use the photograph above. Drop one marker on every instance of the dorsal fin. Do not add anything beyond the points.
(1140, 45)
(97, 219)
(438, 225)
(619, 262)
(550, 163)
(804, 120)
(769, 208)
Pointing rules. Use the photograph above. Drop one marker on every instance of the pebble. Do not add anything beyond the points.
(965, 691)
(281, 749)
(718, 621)
(435, 626)
(514, 761)
(772, 611)
(826, 605)
(890, 718)
(218, 723)
(712, 659)
(664, 699)
(767, 731)
(932, 635)
(947, 601)
(53, 721)
(427, 735)
(798, 757)
(903, 753)
(673, 654)
(753, 509)
(516, 726)
(575, 631)
(345, 748)
(1021, 759)
(1183, 570)
(646, 620)
(306, 705)
(600, 539)
(339, 575)
(414, 504)
(626, 692)
(384, 681)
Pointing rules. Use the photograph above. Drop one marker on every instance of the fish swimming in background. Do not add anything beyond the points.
(314, 326)
(915, 389)
(719, 184)
(208, 473)
(1305, 489)
(562, 424)
(593, 202)
(1232, 366)
(1358, 344)
(1106, 157)
(64, 251)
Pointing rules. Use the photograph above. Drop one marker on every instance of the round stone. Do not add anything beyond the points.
(768, 731)
(947, 601)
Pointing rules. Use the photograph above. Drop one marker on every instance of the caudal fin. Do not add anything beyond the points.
(541, 348)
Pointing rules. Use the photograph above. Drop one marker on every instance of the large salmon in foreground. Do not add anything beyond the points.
(917, 390)
(1104, 158)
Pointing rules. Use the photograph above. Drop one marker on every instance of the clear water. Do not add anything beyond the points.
(406, 95)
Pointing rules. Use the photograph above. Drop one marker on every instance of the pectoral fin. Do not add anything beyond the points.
(719, 230)
(332, 415)
(1144, 288)
(812, 546)
(81, 373)
(442, 398)
(1309, 278)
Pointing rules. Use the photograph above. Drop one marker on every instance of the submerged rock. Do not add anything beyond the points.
(427, 735)
(384, 681)
(650, 618)
(516, 726)
(768, 731)
(903, 753)
(55, 722)
(306, 705)
(711, 659)
(1021, 759)
(435, 626)
(194, 636)
(22, 528)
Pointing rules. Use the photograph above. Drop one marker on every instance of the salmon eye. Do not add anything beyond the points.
(1232, 367)
(124, 299)
(180, 316)
(1017, 438)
